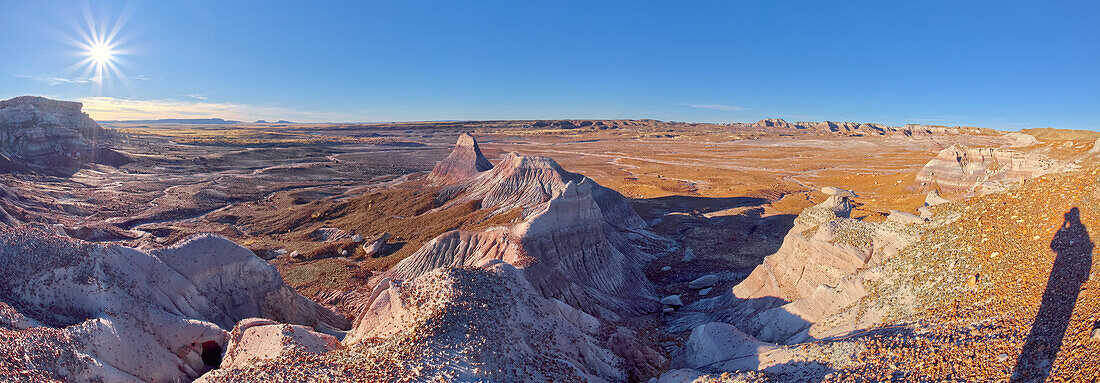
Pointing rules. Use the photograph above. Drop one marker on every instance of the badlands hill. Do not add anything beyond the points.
(566, 250)
(50, 135)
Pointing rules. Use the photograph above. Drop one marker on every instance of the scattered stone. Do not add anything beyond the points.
(934, 199)
(904, 218)
(688, 255)
(1002, 357)
(835, 191)
(672, 300)
(668, 309)
(374, 247)
(926, 212)
(703, 282)
(666, 268)
(1096, 334)
(357, 238)
(705, 291)
(295, 254)
(329, 234)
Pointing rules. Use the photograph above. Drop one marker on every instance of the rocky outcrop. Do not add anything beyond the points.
(1021, 140)
(527, 181)
(464, 162)
(374, 246)
(47, 134)
(479, 323)
(983, 170)
(125, 315)
(255, 291)
(6, 219)
(256, 339)
(566, 249)
(808, 279)
(576, 241)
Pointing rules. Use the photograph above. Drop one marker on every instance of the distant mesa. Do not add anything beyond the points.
(261, 122)
(39, 134)
(283, 122)
(574, 124)
(859, 129)
(196, 121)
(1061, 134)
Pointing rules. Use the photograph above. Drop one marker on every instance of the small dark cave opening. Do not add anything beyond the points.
(211, 354)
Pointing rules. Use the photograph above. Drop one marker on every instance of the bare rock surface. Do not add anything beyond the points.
(482, 323)
(47, 134)
(577, 241)
(703, 282)
(835, 191)
(903, 217)
(566, 249)
(526, 181)
(1021, 140)
(464, 162)
(257, 339)
(124, 315)
(374, 246)
(808, 279)
(934, 199)
(964, 169)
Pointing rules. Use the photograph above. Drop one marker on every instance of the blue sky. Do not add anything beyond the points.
(1005, 64)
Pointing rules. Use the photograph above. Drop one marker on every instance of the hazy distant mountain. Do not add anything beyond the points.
(261, 122)
(179, 121)
(283, 122)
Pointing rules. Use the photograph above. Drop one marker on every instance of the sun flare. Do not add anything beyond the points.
(100, 53)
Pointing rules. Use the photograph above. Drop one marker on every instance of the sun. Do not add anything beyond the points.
(100, 53)
(102, 49)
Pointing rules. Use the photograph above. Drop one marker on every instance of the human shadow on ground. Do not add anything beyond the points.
(1072, 263)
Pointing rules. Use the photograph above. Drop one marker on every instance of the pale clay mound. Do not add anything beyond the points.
(483, 323)
(129, 315)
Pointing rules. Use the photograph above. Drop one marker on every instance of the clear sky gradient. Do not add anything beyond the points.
(1003, 64)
